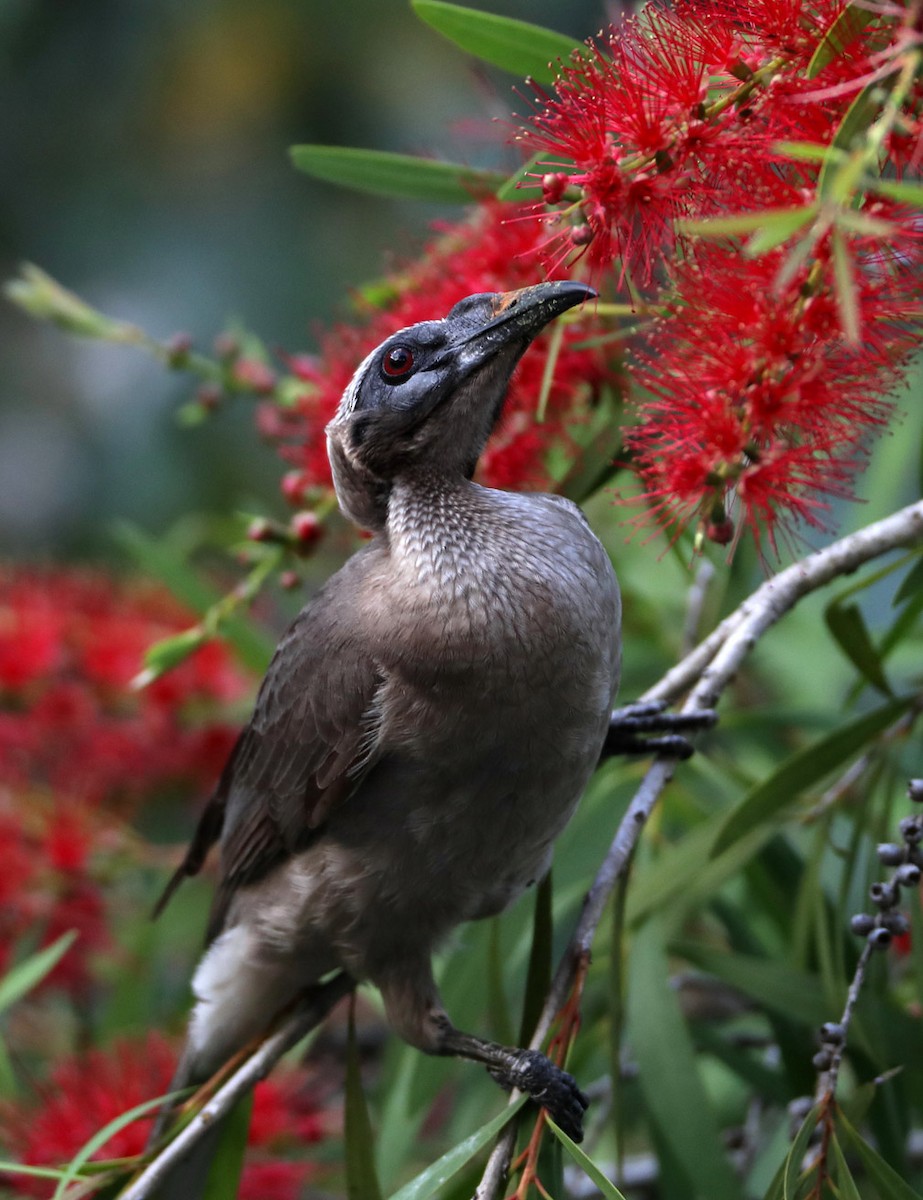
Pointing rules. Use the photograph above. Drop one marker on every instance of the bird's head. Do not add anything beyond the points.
(431, 394)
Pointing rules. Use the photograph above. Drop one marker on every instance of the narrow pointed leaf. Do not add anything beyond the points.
(668, 1071)
(889, 1185)
(227, 1166)
(515, 46)
(786, 991)
(802, 770)
(844, 1180)
(903, 190)
(911, 584)
(428, 1182)
(856, 120)
(748, 222)
(848, 25)
(846, 296)
(538, 977)
(159, 559)
(846, 623)
(521, 182)
(398, 175)
(778, 230)
(74, 1168)
(361, 1174)
(792, 1169)
(606, 1187)
(22, 978)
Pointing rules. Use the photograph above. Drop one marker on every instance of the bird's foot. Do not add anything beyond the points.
(630, 727)
(556, 1091)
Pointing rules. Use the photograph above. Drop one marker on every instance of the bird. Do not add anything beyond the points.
(428, 723)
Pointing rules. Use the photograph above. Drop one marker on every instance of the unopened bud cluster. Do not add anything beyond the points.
(906, 857)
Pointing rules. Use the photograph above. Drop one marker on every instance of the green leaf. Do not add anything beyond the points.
(497, 1003)
(911, 584)
(515, 46)
(428, 1182)
(803, 151)
(521, 182)
(161, 560)
(361, 1174)
(856, 121)
(889, 1184)
(227, 1164)
(606, 1187)
(851, 21)
(14, 1168)
(168, 653)
(790, 993)
(789, 219)
(74, 1168)
(803, 769)
(845, 1182)
(779, 229)
(847, 625)
(903, 191)
(668, 1071)
(846, 299)
(44, 298)
(22, 978)
(791, 1171)
(403, 175)
(538, 976)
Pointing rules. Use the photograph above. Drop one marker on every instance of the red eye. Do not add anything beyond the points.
(397, 362)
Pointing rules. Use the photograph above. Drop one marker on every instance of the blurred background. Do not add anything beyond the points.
(144, 161)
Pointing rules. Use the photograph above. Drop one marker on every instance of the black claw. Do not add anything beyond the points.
(549, 1086)
(628, 724)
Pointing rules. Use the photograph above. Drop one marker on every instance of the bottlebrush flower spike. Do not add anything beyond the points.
(768, 415)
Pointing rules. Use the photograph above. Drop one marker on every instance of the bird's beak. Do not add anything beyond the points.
(515, 318)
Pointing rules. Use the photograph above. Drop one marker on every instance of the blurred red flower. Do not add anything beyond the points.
(84, 1093)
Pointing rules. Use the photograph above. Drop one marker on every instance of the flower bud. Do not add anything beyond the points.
(908, 875)
(883, 895)
(890, 854)
(306, 529)
(554, 185)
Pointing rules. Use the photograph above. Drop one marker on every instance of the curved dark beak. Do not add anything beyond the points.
(515, 318)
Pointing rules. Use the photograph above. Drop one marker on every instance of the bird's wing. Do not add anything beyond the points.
(311, 739)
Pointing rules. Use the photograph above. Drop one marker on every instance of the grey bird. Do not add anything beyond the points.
(428, 723)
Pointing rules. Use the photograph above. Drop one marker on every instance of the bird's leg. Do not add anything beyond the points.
(629, 726)
(415, 1012)
(527, 1070)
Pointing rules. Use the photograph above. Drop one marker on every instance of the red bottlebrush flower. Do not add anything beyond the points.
(495, 250)
(84, 1093)
(678, 114)
(757, 400)
(70, 644)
